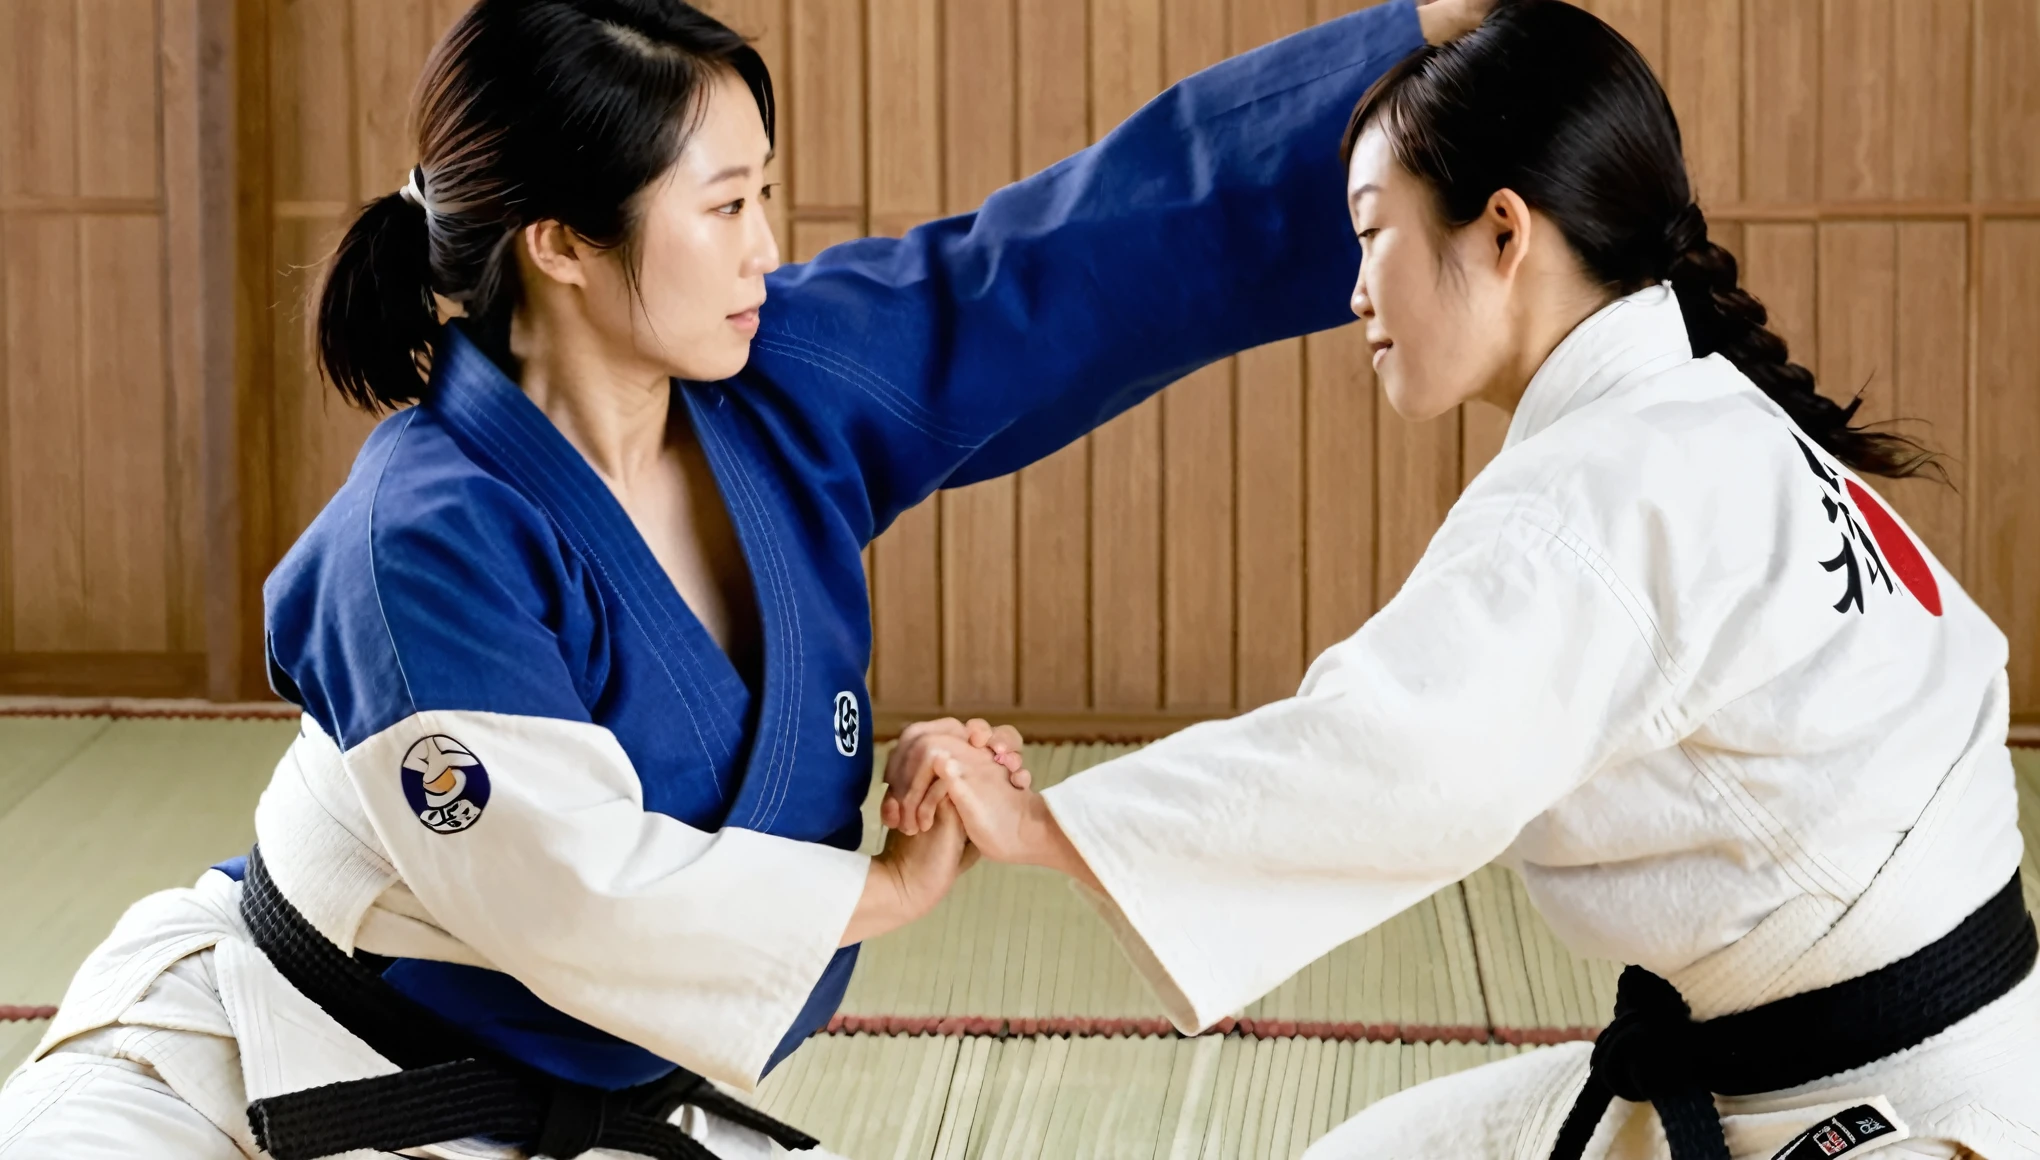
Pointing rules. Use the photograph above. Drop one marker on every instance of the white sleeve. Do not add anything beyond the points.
(1235, 853)
(699, 947)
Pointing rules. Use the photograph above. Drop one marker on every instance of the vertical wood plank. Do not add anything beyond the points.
(197, 196)
(1930, 125)
(904, 124)
(1931, 379)
(980, 527)
(117, 98)
(391, 38)
(1856, 99)
(311, 102)
(2006, 573)
(1197, 461)
(1417, 466)
(45, 455)
(1778, 263)
(1858, 297)
(1338, 455)
(39, 139)
(124, 407)
(1126, 493)
(1053, 120)
(2007, 99)
(242, 486)
(1197, 510)
(825, 139)
(1781, 139)
(1641, 23)
(1269, 472)
(7, 464)
(1703, 65)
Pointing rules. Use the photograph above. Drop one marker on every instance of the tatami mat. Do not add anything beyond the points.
(1213, 1098)
(1005, 1025)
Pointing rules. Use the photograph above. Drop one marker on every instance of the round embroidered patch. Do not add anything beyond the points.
(445, 784)
(846, 723)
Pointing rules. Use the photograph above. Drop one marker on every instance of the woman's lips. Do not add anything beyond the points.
(1380, 348)
(745, 320)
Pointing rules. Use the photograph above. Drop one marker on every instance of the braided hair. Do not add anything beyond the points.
(1545, 99)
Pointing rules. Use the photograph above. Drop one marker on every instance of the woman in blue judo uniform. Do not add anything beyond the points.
(580, 643)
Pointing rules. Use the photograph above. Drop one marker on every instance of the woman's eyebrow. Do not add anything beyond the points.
(1353, 199)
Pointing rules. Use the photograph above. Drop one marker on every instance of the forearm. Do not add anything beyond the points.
(1043, 843)
(881, 909)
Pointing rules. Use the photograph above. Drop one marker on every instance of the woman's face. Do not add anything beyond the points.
(1434, 305)
(703, 248)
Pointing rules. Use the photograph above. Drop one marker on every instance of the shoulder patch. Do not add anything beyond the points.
(445, 784)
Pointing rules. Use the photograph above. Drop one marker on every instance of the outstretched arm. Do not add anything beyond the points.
(1211, 221)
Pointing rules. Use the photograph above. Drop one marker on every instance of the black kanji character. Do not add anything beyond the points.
(1854, 593)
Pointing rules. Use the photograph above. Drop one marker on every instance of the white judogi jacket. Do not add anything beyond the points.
(1665, 657)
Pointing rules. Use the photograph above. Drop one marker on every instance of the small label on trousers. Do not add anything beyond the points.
(1839, 1134)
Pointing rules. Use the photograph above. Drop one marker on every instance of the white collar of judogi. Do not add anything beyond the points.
(1642, 334)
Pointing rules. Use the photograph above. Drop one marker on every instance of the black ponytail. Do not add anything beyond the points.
(1723, 318)
(377, 320)
(1545, 99)
(528, 111)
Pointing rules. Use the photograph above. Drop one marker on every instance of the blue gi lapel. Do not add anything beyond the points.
(498, 425)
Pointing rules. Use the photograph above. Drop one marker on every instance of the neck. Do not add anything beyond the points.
(613, 410)
(1550, 306)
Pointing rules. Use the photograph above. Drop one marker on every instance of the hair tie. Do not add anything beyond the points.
(414, 190)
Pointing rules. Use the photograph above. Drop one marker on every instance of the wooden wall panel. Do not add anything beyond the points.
(1703, 76)
(2006, 571)
(97, 505)
(1781, 77)
(1869, 161)
(1930, 385)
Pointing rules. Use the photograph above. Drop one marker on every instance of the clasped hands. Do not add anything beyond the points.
(954, 790)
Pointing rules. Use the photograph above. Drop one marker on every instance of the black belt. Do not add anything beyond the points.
(450, 1087)
(1654, 1052)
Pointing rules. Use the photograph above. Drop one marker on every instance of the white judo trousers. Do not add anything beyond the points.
(178, 1020)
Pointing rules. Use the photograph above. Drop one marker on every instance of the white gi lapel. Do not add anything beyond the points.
(1642, 334)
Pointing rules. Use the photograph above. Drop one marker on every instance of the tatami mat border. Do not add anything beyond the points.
(1109, 1028)
(9, 1013)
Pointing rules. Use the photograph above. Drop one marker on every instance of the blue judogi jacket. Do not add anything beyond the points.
(475, 570)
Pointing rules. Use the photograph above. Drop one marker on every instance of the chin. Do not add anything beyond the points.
(713, 366)
(1415, 402)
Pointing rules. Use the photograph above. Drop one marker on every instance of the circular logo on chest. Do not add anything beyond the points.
(846, 723)
(445, 784)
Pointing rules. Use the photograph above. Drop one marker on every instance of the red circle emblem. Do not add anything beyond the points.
(1904, 559)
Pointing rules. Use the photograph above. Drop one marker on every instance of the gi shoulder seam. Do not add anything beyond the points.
(375, 574)
(896, 402)
(1638, 613)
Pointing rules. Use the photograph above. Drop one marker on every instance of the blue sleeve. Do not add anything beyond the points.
(1211, 221)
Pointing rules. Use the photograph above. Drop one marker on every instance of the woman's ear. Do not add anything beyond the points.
(557, 252)
(1508, 228)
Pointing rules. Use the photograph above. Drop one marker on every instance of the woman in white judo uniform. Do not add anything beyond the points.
(1669, 657)
(571, 823)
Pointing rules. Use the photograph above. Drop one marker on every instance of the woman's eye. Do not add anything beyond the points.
(732, 209)
(766, 193)
(1368, 233)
